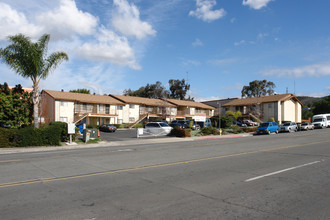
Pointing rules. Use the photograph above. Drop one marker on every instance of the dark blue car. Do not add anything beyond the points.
(267, 128)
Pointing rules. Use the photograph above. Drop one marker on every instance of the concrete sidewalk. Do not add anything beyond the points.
(138, 141)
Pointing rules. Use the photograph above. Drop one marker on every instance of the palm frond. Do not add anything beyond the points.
(52, 62)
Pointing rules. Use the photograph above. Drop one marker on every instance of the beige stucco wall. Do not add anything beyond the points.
(64, 111)
(269, 111)
(128, 113)
(298, 112)
(288, 111)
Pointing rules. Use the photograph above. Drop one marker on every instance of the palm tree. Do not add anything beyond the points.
(30, 60)
(236, 115)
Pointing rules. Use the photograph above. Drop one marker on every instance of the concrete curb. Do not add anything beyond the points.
(138, 141)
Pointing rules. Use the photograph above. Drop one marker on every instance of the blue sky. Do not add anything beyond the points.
(217, 45)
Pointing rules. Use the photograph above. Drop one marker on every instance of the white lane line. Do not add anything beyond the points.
(281, 171)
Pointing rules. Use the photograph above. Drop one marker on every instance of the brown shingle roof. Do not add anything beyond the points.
(189, 104)
(263, 99)
(84, 98)
(142, 101)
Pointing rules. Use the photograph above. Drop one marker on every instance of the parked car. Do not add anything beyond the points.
(176, 124)
(289, 127)
(158, 127)
(306, 126)
(250, 123)
(3, 125)
(108, 128)
(194, 126)
(267, 128)
(239, 123)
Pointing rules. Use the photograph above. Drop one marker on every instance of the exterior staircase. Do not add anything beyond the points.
(255, 118)
(138, 121)
(81, 118)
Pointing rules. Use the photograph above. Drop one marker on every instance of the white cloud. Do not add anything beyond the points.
(109, 48)
(186, 62)
(328, 88)
(66, 20)
(197, 43)
(240, 43)
(222, 62)
(233, 20)
(256, 4)
(204, 11)
(13, 22)
(315, 70)
(126, 19)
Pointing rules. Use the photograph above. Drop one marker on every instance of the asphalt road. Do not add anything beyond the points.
(284, 176)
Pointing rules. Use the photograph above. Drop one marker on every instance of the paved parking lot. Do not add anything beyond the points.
(119, 135)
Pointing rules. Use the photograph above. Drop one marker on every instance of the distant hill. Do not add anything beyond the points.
(307, 100)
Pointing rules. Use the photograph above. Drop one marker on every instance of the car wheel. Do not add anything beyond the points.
(268, 131)
(276, 131)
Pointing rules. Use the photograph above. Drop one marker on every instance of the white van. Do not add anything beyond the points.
(321, 121)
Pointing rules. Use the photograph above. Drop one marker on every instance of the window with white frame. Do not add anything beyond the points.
(131, 119)
(132, 106)
(119, 107)
(101, 108)
(64, 119)
(64, 103)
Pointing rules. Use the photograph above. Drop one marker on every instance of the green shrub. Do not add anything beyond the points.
(178, 132)
(209, 131)
(138, 126)
(236, 129)
(63, 127)
(7, 137)
(226, 122)
(119, 125)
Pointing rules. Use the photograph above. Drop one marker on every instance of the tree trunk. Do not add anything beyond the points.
(36, 100)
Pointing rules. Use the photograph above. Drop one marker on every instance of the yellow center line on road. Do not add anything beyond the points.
(43, 180)
(9, 161)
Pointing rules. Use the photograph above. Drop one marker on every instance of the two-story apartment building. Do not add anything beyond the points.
(77, 107)
(191, 110)
(116, 109)
(138, 108)
(284, 107)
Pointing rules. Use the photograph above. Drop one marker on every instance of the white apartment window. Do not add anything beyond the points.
(270, 105)
(64, 119)
(119, 107)
(107, 109)
(64, 103)
(101, 108)
(120, 121)
(131, 119)
(85, 106)
(131, 106)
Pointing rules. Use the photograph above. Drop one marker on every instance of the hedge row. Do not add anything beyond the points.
(49, 135)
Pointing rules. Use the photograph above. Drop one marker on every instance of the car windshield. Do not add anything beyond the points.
(264, 125)
(318, 120)
(304, 123)
(286, 124)
(162, 124)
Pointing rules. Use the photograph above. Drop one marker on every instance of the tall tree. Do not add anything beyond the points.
(15, 106)
(323, 106)
(258, 88)
(85, 91)
(30, 60)
(154, 91)
(178, 89)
